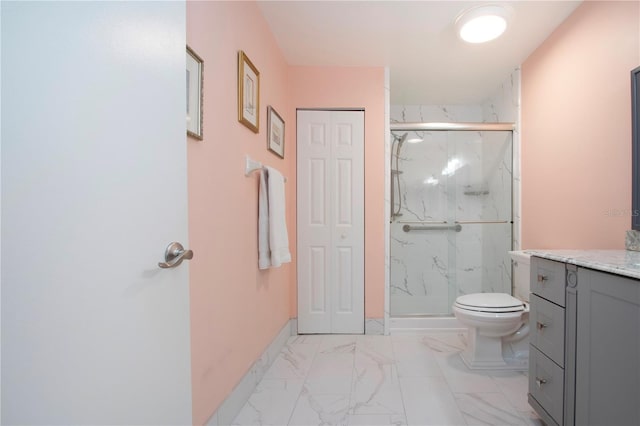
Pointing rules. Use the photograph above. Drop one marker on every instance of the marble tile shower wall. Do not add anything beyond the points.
(504, 107)
(429, 269)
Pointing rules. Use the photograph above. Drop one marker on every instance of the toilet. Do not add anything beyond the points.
(498, 323)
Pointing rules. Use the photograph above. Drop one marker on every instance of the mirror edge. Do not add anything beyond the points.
(635, 144)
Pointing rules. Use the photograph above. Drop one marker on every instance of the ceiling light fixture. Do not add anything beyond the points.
(481, 24)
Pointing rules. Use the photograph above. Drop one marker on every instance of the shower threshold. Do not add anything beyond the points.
(424, 324)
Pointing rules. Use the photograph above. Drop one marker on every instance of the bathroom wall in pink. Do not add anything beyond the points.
(236, 309)
(576, 130)
(335, 87)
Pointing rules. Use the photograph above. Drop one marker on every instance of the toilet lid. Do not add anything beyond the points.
(490, 302)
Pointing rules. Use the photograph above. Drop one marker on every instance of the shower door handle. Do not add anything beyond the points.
(435, 227)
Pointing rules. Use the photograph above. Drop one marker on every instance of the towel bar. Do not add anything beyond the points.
(252, 165)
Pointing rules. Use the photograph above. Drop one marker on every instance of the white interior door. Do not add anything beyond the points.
(93, 190)
(330, 146)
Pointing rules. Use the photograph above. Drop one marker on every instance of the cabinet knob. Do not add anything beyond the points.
(540, 325)
(540, 382)
(542, 278)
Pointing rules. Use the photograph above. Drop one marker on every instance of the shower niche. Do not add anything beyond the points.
(451, 217)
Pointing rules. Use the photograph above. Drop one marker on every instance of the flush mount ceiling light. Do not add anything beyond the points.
(481, 24)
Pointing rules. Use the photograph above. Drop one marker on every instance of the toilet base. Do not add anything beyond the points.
(490, 353)
(507, 364)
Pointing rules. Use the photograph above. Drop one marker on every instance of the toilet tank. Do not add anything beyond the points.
(521, 266)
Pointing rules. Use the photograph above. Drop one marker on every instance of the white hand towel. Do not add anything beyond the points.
(278, 236)
(264, 255)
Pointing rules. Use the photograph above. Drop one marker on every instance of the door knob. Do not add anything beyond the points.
(174, 255)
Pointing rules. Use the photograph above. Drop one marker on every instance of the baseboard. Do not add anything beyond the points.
(374, 326)
(229, 409)
(401, 325)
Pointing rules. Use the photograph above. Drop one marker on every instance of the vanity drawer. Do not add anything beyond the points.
(546, 322)
(546, 384)
(548, 279)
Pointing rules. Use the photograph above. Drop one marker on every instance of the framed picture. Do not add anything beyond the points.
(195, 80)
(275, 133)
(248, 93)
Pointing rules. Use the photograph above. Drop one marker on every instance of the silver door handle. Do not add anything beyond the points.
(540, 325)
(540, 382)
(174, 255)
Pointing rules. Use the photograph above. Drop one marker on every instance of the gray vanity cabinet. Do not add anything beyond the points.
(547, 340)
(584, 364)
(607, 379)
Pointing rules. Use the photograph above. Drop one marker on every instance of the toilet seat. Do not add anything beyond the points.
(489, 302)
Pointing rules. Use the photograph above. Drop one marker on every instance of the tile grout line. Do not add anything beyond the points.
(304, 380)
(353, 377)
(395, 361)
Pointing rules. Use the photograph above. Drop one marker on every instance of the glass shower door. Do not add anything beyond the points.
(481, 204)
(453, 231)
(420, 257)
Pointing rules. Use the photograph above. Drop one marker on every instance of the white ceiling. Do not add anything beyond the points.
(428, 63)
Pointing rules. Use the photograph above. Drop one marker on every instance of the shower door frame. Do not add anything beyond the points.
(435, 126)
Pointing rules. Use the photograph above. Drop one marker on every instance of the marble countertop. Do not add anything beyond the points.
(619, 262)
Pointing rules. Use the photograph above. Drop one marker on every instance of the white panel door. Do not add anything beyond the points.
(93, 190)
(330, 147)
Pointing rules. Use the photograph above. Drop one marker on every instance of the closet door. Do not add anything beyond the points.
(330, 203)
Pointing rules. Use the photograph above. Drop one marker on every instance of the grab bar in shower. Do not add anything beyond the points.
(434, 227)
(481, 222)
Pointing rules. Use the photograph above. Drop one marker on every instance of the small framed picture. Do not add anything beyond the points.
(248, 93)
(195, 80)
(275, 133)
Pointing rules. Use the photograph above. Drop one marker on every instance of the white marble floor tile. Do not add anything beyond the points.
(376, 397)
(338, 344)
(444, 344)
(531, 418)
(487, 409)
(376, 389)
(514, 386)
(271, 404)
(379, 344)
(377, 420)
(321, 410)
(429, 401)
(370, 360)
(293, 362)
(415, 359)
(331, 374)
(463, 380)
(384, 380)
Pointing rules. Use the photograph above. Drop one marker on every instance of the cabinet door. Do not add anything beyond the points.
(607, 349)
(546, 384)
(547, 328)
(548, 279)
